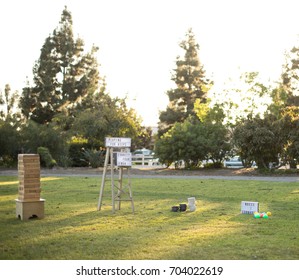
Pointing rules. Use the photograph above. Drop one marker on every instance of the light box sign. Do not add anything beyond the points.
(249, 207)
(124, 159)
(114, 142)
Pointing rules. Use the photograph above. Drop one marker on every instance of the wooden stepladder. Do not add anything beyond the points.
(119, 190)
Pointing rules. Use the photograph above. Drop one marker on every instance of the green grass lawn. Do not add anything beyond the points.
(74, 229)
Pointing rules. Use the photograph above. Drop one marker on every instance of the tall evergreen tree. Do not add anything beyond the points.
(8, 104)
(289, 86)
(191, 84)
(63, 75)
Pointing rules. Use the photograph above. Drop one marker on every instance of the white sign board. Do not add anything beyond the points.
(249, 207)
(124, 159)
(114, 142)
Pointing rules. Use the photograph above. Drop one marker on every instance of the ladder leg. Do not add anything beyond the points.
(112, 180)
(120, 186)
(103, 179)
(130, 191)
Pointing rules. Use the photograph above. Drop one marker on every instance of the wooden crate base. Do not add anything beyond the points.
(26, 210)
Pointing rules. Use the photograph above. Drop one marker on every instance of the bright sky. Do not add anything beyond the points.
(138, 40)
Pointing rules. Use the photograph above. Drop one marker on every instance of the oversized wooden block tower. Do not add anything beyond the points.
(29, 203)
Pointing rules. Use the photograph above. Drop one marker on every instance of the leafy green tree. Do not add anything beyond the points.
(218, 144)
(260, 140)
(103, 116)
(68, 100)
(10, 122)
(184, 141)
(35, 135)
(63, 75)
(9, 142)
(289, 84)
(191, 84)
(285, 107)
(144, 139)
(9, 104)
(94, 158)
(248, 96)
(289, 125)
(207, 113)
(193, 142)
(46, 157)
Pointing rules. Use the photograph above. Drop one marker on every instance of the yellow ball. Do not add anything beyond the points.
(269, 213)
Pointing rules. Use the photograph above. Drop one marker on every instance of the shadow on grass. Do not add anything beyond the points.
(74, 229)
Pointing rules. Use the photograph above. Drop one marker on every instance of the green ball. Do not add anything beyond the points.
(256, 215)
(265, 216)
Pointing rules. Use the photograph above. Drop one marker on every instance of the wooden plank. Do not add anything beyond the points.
(29, 160)
(27, 198)
(29, 172)
(27, 156)
(28, 165)
(24, 181)
(29, 190)
(29, 185)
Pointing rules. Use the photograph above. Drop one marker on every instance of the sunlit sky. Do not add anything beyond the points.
(138, 40)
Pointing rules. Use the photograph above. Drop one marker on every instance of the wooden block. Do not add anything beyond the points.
(30, 185)
(29, 162)
(29, 197)
(28, 182)
(28, 166)
(25, 181)
(29, 189)
(29, 174)
(27, 156)
(26, 195)
(26, 210)
(28, 171)
(30, 177)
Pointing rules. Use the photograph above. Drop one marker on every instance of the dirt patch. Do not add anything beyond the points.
(197, 172)
(161, 171)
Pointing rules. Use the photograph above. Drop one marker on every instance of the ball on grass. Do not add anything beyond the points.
(256, 215)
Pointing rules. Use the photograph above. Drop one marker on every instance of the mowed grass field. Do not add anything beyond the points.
(73, 228)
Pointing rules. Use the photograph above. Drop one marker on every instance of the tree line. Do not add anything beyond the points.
(258, 122)
(65, 113)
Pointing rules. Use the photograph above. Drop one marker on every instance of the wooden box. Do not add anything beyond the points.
(26, 210)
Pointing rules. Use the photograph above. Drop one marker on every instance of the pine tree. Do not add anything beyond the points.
(191, 84)
(62, 76)
(289, 86)
(8, 104)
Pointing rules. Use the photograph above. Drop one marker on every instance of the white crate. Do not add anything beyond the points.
(249, 207)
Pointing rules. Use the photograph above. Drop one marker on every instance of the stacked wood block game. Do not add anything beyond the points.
(29, 203)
